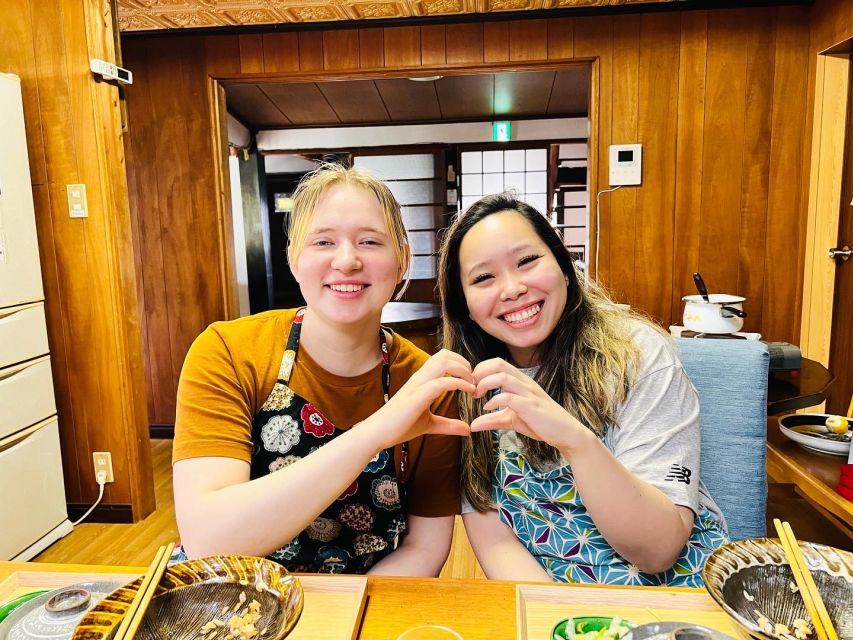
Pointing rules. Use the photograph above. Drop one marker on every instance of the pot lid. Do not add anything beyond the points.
(715, 298)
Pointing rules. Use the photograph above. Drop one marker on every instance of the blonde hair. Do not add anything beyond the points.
(312, 187)
(587, 364)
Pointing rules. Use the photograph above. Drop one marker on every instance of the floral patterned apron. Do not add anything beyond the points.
(364, 524)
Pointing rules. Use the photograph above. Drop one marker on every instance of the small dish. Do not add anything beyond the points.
(591, 628)
(674, 631)
(33, 620)
(809, 431)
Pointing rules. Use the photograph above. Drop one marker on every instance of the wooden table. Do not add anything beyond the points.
(482, 609)
(814, 475)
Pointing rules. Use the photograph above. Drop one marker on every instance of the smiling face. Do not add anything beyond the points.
(513, 285)
(347, 267)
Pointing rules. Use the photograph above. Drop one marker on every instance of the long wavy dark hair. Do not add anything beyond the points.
(585, 364)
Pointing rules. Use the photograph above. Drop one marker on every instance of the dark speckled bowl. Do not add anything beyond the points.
(758, 569)
(191, 594)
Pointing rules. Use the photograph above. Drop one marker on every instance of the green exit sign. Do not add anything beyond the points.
(501, 131)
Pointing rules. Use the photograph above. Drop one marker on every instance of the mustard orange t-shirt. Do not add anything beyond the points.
(232, 366)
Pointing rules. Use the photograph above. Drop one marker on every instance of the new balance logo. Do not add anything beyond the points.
(677, 473)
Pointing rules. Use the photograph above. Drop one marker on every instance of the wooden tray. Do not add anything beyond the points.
(333, 604)
(539, 608)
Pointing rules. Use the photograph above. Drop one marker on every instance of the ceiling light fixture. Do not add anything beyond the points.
(426, 79)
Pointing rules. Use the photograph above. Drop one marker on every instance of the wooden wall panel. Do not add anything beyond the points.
(74, 132)
(752, 248)
(496, 42)
(619, 212)
(340, 49)
(311, 51)
(433, 48)
(178, 233)
(402, 46)
(464, 43)
(722, 161)
(371, 48)
(281, 52)
(710, 95)
(561, 38)
(594, 38)
(251, 53)
(528, 40)
(657, 127)
(787, 206)
(688, 155)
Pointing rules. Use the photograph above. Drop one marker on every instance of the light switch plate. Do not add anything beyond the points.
(77, 207)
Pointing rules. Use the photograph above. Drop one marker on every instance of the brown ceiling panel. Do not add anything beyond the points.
(456, 98)
(522, 94)
(253, 107)
(302, 102)
(571, 92)
(355, 101)
(409, 101)
(466, 96)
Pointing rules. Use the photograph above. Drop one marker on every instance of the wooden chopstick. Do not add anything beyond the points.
(803, 577)
(134, 614)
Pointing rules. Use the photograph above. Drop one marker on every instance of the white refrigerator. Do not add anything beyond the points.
(33, 512)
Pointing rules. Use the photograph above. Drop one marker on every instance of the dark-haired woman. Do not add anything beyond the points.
(583, 465)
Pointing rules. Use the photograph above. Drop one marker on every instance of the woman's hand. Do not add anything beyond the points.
(526, 407)
(407, 414)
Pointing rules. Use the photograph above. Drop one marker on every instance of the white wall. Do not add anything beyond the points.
(240, 267)
(335, 138)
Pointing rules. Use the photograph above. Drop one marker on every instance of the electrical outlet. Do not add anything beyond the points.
(104, 463)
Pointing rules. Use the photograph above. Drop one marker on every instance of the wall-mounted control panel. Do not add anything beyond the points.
(109, 71)
(626, 164)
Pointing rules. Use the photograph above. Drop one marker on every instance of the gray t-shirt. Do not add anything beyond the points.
(657, 432)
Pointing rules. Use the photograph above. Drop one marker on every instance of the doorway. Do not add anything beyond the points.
(441, 117)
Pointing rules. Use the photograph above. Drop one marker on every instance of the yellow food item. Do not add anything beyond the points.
(836, 424)
(242, 626)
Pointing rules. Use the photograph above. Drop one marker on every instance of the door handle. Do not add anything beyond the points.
(843, 253)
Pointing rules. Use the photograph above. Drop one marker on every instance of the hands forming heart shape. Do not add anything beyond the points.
(527, 408)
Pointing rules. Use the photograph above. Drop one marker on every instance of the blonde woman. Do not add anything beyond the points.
(583, 465)
(311, 435)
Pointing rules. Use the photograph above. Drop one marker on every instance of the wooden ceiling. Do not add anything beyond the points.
(456, 98)
(153, 15)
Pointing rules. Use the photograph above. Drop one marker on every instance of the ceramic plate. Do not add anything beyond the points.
(8, 607)
(808, 430)
(586, 624)
(751, 579)
(31, 621)
(200, 600)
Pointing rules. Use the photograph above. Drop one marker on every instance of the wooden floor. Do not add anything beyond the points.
(136, 544)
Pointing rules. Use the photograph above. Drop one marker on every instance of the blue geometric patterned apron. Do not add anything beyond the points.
(548, 516)
(364, 523)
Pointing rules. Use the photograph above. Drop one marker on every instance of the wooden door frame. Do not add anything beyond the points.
(832, 77)
(219, 134)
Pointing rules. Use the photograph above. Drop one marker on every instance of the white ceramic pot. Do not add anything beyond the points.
(715, 316)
